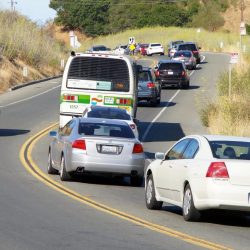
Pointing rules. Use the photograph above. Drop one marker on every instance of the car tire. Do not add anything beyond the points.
(198, 61)
(136, 181)
(187, 84)
(151, 202)
(162, 54)
(50, 168)
(153, 102)
(190, 213)
(64, 175)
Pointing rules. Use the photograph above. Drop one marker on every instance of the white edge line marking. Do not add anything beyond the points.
(163, 110)
(26, 99)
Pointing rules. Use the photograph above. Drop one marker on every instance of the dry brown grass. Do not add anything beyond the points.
(232, 17)
(23, 43)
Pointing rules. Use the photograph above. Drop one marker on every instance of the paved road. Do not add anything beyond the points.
(35, 216)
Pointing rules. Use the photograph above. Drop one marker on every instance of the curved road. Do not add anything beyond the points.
(36, 216)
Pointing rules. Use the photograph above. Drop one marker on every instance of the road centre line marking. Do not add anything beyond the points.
(26, 159)
(164, 109)
(31, 97)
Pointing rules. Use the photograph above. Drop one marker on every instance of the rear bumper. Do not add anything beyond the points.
(223, 196)
(109, 165)
(146, 95)
(176, 81)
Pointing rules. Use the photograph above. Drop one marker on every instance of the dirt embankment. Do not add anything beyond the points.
(233, 17)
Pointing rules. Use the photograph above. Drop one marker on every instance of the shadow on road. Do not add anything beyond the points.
(161, 105)
(13, 132)
(161, 131)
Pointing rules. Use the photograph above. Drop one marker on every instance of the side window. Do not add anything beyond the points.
(66, 130)
(176, 151)
(191, 150)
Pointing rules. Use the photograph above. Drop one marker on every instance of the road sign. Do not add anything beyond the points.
(234, 58)
(131, 40)
(243, 30)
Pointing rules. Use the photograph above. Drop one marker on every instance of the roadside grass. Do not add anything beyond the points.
(23, 43)
(209, 41)
(230, 115)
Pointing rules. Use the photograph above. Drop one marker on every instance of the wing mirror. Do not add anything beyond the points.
(52, 133)
(159, 156)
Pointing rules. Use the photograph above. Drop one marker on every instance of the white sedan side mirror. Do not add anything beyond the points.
(159, 156)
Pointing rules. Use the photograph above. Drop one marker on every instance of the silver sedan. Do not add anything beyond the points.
(94, 145)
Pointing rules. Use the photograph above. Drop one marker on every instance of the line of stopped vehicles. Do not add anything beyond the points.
(198, 173)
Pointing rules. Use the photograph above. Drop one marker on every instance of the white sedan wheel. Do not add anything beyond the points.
(187, 202)
(190, 213)
(149, 191)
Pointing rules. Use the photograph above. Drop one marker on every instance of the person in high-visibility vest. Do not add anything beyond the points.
(132, 48)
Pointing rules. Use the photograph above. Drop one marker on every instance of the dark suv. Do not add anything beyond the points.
(190, 46)
(170, 72)
(149, 88)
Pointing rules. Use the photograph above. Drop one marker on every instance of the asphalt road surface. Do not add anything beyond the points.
(98, 212)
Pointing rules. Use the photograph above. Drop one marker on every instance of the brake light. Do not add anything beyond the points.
(70, 98)
(151, 85)
(79, 144)
(123, 101)
(195, 52)
(157, 73)
(183, 73)
(217, 170)
(137, 148)
(132, 126)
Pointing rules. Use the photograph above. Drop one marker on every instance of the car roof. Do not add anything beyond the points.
(220, 137)
(108, 109)
(169, 61)
(226, 138)
(103, 120)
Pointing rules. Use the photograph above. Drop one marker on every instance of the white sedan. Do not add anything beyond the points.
(201, 172)
(155, 48)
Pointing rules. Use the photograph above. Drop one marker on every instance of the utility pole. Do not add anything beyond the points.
(12, 5)
(242, 8)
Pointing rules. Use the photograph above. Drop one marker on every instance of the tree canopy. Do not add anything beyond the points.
(99, 17)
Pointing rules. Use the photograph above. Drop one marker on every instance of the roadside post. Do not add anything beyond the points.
(233, 60)
(25, 71)
(243, 32)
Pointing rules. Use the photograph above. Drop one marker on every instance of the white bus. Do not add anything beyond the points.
(98, 79)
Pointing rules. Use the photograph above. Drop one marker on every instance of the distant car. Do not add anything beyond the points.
(170, 72)
(142, 48)
(149, 88)
(97, 146)
(98, 48)
(172, 47)
(121, 50)
(187, 57)
(201, 172)
(193, 47)
(112, 113)
(155, 48)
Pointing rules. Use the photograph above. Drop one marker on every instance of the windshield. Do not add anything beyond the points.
(104, 129)
(184, 54)
(187, 47)
(172, 66)
(100, 74)
(230, 149)
(143, 76)
(109, 114)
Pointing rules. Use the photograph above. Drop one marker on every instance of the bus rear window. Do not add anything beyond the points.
(103, 74)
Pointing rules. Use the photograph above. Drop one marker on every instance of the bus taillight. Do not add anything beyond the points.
(70, 98)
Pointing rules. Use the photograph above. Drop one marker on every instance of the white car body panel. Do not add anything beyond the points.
(233, 193)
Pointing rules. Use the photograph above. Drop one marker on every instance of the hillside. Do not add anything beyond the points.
(232, 17)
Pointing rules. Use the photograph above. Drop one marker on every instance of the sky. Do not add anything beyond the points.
(37, 10)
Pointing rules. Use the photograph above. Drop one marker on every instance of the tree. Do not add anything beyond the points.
(208, 17)
(85, 15)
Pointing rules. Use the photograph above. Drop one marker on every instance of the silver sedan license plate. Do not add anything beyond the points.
(109, 149)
